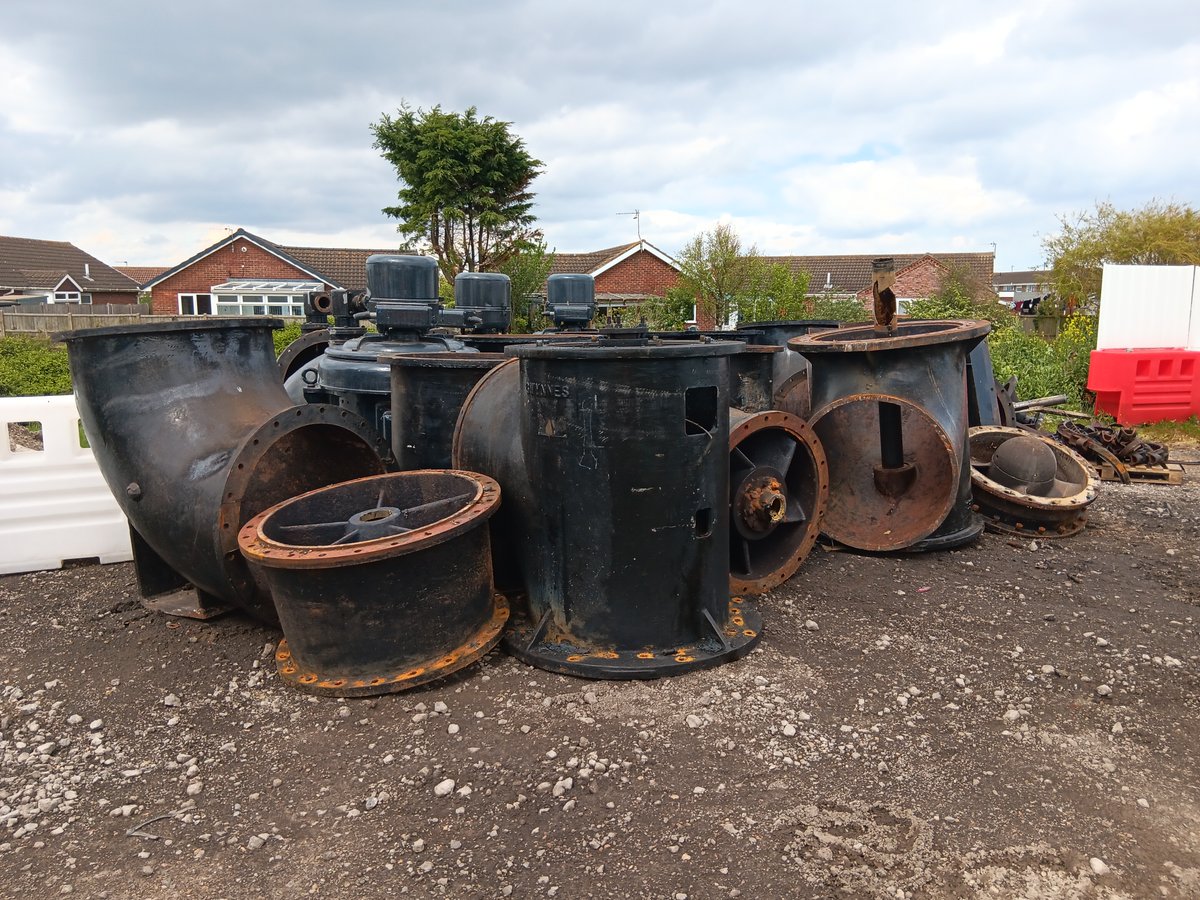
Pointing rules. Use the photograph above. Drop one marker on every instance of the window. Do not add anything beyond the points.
(262, 298)
(66, 297)
(195, 304)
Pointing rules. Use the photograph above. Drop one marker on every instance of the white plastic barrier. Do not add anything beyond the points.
(1149, 307)
(54, 504)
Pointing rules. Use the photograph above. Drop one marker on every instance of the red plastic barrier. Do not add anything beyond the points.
(1139, 386)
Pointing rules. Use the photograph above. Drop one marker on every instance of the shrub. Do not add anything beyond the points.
(959, 298)
(33, 367)
(1046, 367)
(285, 335)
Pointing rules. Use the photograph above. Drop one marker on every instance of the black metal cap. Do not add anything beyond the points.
(396, 277)
(482, 290)
(570, 289)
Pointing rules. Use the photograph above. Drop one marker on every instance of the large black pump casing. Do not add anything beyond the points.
(616, 490)
(194, 435)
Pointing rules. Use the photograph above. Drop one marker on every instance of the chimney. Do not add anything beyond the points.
(87, 271)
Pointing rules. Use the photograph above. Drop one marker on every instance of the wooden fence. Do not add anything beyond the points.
(46, 319)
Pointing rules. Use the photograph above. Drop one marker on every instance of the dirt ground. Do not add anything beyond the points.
(1014, 719)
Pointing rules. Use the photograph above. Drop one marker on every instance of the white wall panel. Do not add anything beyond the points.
(1147, 306)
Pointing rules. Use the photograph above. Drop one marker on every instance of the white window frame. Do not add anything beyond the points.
(192, 297)
(291, 305)
(66, 297)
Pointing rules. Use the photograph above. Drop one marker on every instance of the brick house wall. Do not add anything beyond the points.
(922, 279)
(241, 259)
(642, 273)
(113, 296)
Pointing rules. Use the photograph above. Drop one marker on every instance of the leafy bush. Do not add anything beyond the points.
(1046, 367)
(285, 335)
(33, 367)
(837, 310)
(960, 298)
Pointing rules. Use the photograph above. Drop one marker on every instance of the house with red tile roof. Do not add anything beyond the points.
(38, 271)
(245, 274)
(248, 274)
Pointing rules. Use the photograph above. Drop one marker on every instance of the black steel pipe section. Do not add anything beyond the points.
(616, 490)
(428, 392)
(790, 369)
(382, 583)
(859, 380)
(194, 434)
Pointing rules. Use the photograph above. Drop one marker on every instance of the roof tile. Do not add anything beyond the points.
(30, 263)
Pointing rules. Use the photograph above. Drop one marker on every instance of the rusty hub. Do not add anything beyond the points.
(779, 486)
(761, 502)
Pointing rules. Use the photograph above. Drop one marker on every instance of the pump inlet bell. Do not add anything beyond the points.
(382, 583)
(1028, 483)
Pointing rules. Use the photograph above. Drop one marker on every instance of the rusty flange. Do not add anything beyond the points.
(778, 490)
(1060, 512)
(381, 583)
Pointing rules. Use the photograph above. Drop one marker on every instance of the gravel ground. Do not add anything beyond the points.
(1015, 719)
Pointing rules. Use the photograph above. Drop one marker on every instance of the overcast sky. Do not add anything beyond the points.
(142, 131)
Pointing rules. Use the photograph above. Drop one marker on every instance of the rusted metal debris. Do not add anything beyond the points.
(1029, 484)
(1117, 445)
(382, 583)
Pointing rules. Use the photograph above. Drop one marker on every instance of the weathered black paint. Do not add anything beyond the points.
(194, 434)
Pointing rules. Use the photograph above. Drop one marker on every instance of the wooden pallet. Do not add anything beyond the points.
(1172, 473)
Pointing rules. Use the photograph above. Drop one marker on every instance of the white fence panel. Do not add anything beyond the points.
(54, 504)
(1194, 331)
(1145, 307)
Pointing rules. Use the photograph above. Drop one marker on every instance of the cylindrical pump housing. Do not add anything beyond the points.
(428, 391)
(891, 413)
(626, 566)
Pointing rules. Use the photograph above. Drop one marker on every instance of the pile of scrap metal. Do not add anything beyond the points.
(605, 502)
(1113, 445)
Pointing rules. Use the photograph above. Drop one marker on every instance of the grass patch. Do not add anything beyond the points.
(1171, 433)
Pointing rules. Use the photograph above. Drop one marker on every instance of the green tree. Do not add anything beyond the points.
(466, 186)
(1158, 233)
(671, 312)
(527, 268)
(774, 293)
(718, 273)
(962, 297)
